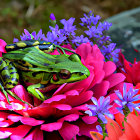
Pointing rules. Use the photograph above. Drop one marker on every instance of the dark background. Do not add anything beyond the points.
(15, 15)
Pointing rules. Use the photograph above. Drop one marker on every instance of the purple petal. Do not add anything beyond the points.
(94, 100)
(102, 118)
(119, 94)
(118, 102)
(52, 17)
(15, 40)
(99, 128)
(124, 91)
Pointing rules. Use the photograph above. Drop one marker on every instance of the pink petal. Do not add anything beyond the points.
(82, 98)
(62, 106)
(2, 46)
(86, 128)
(101, 89)
(89, 119)
(4, 124)
(115, 79)
(3, 116)
(71, 117)
(81, 107)
(30, 136)
(19, 132)
(4, 134)
(38, 135)
(109, 68)
(31, 121)
(60, 88)
(55, 98)
(51, 126)
(99, 76)
(84, 49)
(96, 53)
(14, 118)
(43, 111)
(72, 93)
(69, 131)
(20, 91)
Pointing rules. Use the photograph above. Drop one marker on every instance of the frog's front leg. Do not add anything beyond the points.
(34, 90)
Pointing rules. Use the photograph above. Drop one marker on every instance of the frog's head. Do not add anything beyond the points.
(69, 69)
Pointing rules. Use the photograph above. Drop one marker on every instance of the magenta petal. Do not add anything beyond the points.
(14, 118)
(30, 136)
(55, 98)
(19, 132)
(71, 117)
(20, 91)
(51, 126)
(4, 124)
(115, 79)
(62, 106)
(2, 46)
(38, 135)
(84, 49)
(109, 68)
(31, 121)
(4, 134)
(86, 128)
(69, 131)
(101, 89)
(89, 119)
(3, 116)
(72, 93)
(82, 98)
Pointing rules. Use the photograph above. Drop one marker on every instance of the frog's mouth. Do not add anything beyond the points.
(70, 78)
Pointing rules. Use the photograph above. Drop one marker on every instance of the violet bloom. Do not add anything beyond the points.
(126, 101)
(97, 33)
(28, 36)
(52, 17)
(100, 108)
(68, 26)
(55, 36)
(89, 19)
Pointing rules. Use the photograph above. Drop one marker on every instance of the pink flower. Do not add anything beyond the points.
(62, 115)
(2, 47)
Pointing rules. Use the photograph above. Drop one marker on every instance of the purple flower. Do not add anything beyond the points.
(55, 36)
(126, 100)
(80, 39)
(89, 20)
(52, 17)
(28, 36)
(68, 26)
(100, 108)
(104, 26)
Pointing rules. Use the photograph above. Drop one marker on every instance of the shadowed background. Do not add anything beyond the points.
(15, 15)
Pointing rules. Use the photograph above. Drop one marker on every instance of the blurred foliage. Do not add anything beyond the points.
(15, 15)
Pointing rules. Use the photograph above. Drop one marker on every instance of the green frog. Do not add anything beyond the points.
(31, 62)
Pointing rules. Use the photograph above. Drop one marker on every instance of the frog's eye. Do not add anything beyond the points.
(64, 74)
(75, 57)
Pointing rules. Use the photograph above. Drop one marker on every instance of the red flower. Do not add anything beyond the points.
(131, 71)
(62, 115)
(115, 132)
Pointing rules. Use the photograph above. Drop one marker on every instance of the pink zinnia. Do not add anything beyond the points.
(62, 115)
(2, 47)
